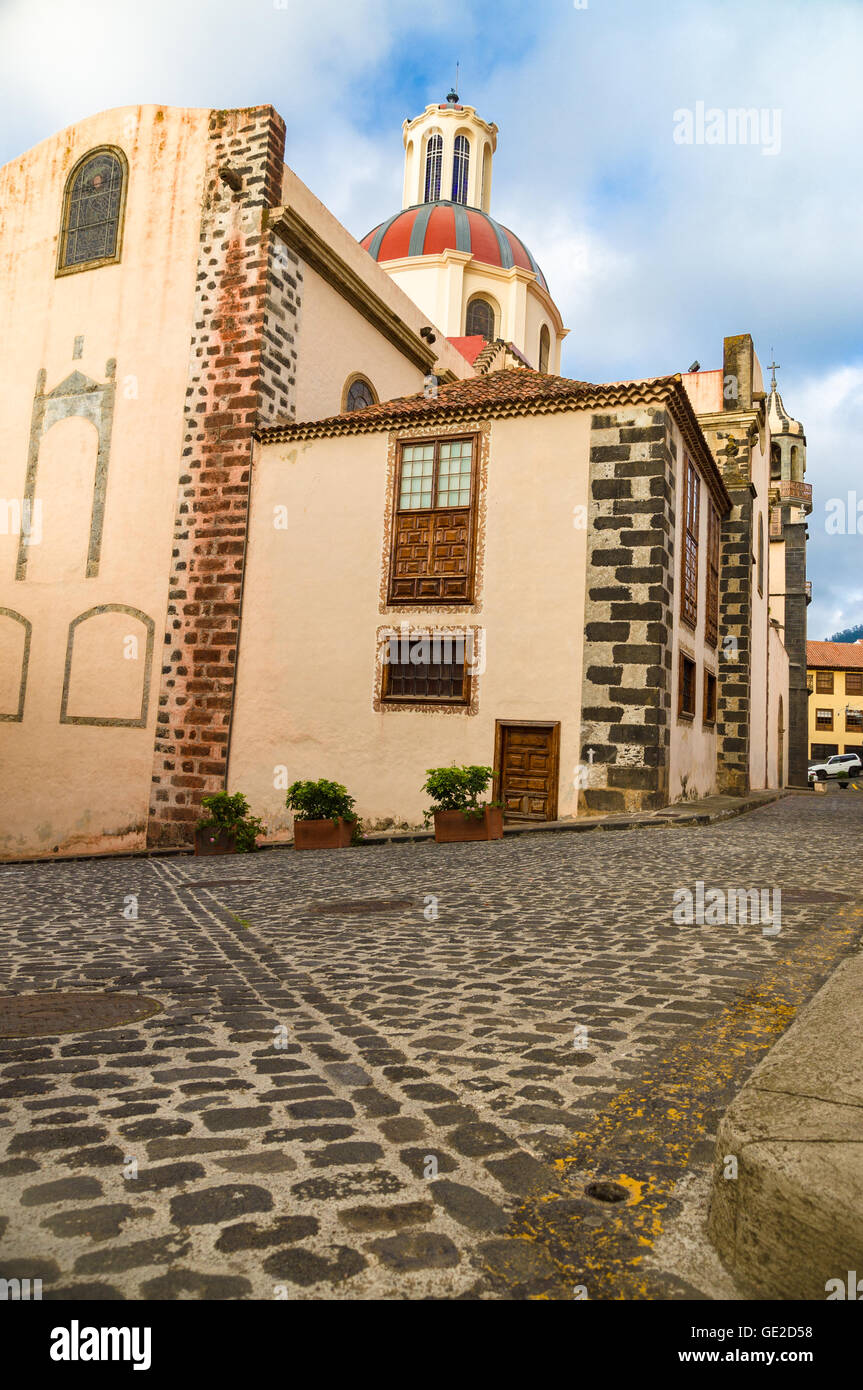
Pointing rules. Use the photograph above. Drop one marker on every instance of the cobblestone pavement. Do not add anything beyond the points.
(356, 1099)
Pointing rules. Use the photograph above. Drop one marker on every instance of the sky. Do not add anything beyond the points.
(654, 249)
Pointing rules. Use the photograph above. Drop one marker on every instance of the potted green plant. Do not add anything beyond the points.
(457, 812)
(227, 827)
(323, 814)
(843, 778)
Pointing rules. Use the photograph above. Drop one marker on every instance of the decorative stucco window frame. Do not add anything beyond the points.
(413, 630)
(459, 429)
(114, 259)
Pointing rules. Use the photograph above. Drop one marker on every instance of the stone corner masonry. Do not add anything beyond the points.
(241, 370)
(626, 691)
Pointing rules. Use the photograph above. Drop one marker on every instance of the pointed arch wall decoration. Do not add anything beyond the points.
(94, 401)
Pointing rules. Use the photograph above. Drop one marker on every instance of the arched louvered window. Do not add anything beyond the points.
(358, 394)
(434, 164)
(480, 319)
(460, 169)
(544, 348)
(93, 206)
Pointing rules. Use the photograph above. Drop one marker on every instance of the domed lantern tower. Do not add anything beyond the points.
(473, 277)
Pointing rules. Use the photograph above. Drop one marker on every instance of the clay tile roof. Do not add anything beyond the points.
(513, 391)
(835, 656)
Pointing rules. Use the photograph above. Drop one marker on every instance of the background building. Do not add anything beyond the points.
(835, 687)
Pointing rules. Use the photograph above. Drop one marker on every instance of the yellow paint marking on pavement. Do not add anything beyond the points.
(653, 1125)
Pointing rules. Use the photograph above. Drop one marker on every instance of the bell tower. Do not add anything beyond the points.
(448, 156)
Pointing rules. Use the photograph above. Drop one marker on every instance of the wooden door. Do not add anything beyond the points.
(526, 770)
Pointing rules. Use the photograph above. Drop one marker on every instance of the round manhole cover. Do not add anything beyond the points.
(38, 1015)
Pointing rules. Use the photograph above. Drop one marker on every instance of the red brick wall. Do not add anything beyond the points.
(229, 382)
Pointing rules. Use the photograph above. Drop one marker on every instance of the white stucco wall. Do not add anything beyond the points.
(307, 661)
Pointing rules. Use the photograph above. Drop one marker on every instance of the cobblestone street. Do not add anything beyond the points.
(393, 1071)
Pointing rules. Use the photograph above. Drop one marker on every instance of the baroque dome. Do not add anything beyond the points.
(430, 228)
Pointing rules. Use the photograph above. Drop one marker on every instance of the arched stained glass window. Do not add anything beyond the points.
(93, 206)
(359, 394)
(434, 163)
(544, 349)
(460, 169)
(480, 319)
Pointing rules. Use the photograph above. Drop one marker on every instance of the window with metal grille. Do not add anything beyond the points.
(460, 169)
(434, 164)
(686, 688)
(824, 682)
(426, 667)
(709, 698)
(480, 319)
(854, 682)
(824, 719)
(711, 628)
(432, 555)
(689, 562)
(93, 212)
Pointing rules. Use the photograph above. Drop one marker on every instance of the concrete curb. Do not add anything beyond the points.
(684, 813)
(793, 1218)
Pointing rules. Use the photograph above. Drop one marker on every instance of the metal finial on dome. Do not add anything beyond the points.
(774, 368)
(452, 98)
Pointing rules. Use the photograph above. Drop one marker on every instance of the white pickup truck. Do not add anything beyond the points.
(840, 762)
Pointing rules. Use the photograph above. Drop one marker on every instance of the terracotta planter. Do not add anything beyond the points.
(211, 841)
(455, 828)
(322, 834)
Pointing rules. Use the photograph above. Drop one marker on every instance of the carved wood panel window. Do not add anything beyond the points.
(709, 698)
(824, 719)
(91, 232)
(854, 683)
(711, 632)
(433, 531)
(686, 688)
(689, 561)
(824, 682)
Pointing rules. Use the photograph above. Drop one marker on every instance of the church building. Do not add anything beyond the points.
(279, 504)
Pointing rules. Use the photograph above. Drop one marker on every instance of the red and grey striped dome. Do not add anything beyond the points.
(430, 228)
